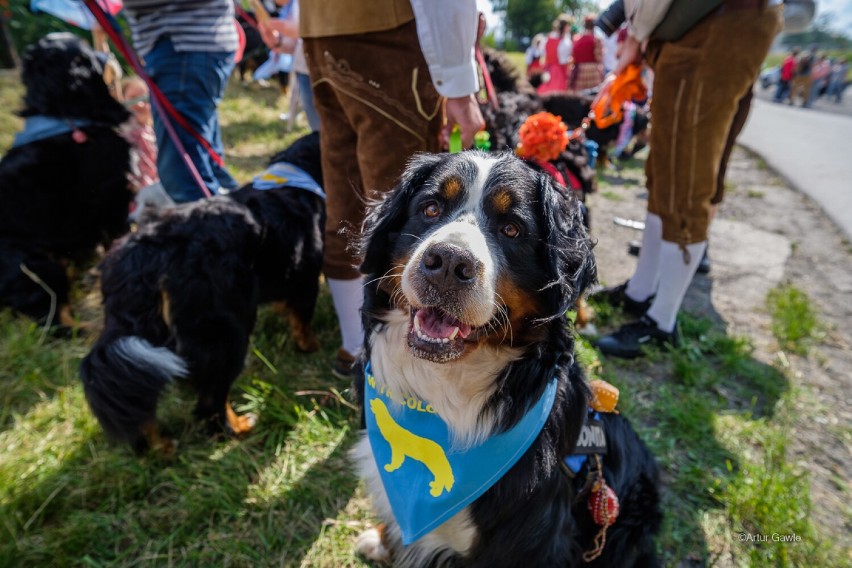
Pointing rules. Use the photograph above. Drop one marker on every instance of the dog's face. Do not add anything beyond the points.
(64, 78)
(475, 250)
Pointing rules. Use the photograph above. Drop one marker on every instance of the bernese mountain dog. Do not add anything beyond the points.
(181, 294)
(64, 183)
(472, 397)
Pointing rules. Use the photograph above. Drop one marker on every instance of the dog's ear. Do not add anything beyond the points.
(386, 217)
(570, 261)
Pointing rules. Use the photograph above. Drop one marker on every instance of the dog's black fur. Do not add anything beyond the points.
(530, 516)
(61, 198)
(181, 295)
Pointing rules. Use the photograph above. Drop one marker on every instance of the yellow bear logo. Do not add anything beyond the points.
(405, 444)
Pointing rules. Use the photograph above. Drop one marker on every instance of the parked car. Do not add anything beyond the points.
(770, 76)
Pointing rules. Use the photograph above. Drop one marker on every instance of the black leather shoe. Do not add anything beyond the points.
(630, 339)
(704, 265)
(617, 297)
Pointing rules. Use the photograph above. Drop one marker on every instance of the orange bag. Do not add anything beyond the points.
(626, 86)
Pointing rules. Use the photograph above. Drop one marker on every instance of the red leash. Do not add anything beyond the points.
(245, 15)
(486, 76)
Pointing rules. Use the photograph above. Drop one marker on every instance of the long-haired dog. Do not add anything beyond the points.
(64, 183)
(519, 99)
(181, 295)
(471, 263)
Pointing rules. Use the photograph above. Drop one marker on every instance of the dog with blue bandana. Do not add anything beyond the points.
(472, 398)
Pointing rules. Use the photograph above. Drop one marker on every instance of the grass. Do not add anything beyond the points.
(717, 419)
(794, 322)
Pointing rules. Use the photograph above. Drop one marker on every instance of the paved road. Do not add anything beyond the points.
(811, 149)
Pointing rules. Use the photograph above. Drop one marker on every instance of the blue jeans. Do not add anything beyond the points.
(306, 96)
(194, 82)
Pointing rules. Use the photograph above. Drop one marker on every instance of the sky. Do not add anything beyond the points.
(841, 10)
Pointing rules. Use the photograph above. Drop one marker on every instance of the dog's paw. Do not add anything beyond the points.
(370, 546)
(240, 425)
(307, 344)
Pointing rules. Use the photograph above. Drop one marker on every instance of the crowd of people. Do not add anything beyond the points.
(570, 58)
(808, 75)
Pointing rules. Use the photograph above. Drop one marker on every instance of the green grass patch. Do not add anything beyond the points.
(612, 196)
(794, 321)
(717, 419)
(11, 92)
(755, 194)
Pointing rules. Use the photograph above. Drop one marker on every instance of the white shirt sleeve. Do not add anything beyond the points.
(447, 33)
(564, 50)
(643, 16)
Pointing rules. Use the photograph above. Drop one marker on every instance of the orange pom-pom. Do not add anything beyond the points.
(543, 136)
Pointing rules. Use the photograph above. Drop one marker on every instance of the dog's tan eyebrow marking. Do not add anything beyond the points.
(451, 188)
(502, 201)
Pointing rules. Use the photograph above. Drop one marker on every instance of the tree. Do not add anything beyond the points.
(525, 18)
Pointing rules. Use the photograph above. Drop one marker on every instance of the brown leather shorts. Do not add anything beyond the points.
(699, 82)
(377, 107)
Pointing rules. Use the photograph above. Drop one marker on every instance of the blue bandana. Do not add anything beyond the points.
(282, 174)
(426, 479)
(40, 127)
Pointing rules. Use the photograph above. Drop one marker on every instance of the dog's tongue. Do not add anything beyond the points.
(437, 323)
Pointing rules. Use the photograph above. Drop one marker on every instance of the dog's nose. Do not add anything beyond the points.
(448, 267)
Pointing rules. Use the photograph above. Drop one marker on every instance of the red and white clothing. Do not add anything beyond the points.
(557, 54)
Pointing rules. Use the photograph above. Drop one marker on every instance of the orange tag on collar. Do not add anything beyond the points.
(604, 396)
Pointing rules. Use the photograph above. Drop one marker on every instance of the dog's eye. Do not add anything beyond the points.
(510, 230)
(431, 210)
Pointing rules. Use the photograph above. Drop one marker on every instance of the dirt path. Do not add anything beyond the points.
(766, 234)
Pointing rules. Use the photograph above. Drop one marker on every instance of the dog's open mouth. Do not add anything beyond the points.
(436, 335)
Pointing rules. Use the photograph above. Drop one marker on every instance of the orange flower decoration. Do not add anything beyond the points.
(543, 137)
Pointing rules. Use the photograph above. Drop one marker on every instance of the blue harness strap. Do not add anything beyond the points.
(426, 476)
(39, 127)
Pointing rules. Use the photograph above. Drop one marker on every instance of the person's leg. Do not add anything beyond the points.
(194, 83)
(695, 102)
(372, 122)
(643, 284)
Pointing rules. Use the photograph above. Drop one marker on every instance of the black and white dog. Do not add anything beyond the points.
(472, 262)
(181, 295)
(64, 183)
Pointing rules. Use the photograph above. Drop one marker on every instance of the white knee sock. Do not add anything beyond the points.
(643, 284)
(675, 277)
(348, 296)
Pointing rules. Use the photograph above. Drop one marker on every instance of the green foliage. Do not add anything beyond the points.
(28, 27)
(794, 322)
(525, 18)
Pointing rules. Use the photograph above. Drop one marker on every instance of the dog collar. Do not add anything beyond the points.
(39, 127)
(426, 478)
(283, 174)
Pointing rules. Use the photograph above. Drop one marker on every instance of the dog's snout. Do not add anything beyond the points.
(448, 267)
